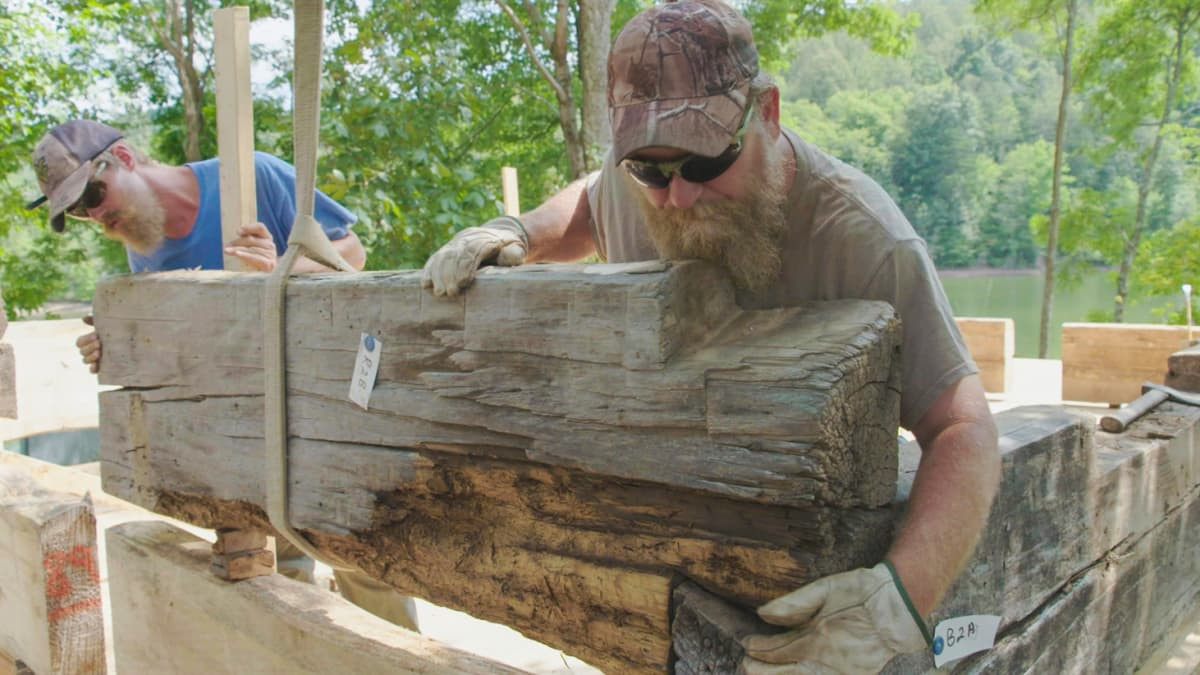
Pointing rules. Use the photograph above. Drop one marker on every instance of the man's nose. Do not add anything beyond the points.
(682, 193)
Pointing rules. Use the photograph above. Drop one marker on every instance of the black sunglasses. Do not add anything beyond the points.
(693, 168)
(93, 195)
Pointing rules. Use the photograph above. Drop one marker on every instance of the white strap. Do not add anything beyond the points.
(309, 239)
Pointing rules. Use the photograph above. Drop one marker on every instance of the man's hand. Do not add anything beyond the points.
(853, 622)
(255, 247)
(452, 267)
(89, 347)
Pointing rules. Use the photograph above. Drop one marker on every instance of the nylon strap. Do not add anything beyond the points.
(309, 239)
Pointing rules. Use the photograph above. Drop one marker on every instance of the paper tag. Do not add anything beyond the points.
(963, 635)
(366, 365)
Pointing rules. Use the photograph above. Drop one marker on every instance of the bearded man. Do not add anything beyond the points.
(701, 168)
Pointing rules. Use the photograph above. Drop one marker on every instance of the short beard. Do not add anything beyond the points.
(743, 236)
(142, 224)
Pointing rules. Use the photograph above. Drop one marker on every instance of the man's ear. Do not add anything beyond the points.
(770, 108)
(123, 154)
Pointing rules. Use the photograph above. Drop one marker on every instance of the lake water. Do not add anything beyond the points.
(1018, 295)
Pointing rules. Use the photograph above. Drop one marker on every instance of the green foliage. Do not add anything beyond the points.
(1168, 259)
(424, 102)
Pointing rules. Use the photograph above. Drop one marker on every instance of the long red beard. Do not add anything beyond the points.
(743, 236)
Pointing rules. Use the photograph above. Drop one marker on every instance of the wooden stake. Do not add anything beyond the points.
(512, 200)
(235, 123)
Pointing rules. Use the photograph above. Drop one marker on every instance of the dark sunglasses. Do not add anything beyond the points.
(692, 168)
(93, 195)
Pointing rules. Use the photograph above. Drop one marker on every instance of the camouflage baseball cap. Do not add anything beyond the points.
(678, 76)
(62, 162)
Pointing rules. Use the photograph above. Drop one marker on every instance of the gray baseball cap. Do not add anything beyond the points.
(62, 161)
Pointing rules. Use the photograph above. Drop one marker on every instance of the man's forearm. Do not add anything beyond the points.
(947, 509)
(558, 229)
(350, 248)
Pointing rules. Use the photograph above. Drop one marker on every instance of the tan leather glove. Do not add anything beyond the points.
(853, 622)
(452, 267)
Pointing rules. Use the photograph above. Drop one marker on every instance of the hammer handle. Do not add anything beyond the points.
(1116, 422)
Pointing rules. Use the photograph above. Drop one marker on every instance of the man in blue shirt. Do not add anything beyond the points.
(169, 217)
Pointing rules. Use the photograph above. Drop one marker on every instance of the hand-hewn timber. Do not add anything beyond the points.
(554, 451)
(1091, 555)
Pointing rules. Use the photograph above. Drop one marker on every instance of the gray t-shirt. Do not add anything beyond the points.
(846, 239)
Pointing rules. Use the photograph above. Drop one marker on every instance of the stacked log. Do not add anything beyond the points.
(556, 450)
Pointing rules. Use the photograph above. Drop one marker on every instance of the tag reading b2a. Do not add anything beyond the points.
(366, 365)
(963, 635)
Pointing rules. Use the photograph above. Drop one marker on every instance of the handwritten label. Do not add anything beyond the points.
(366, 365)
(963, 635)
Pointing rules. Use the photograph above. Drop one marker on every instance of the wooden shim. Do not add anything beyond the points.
(1108, 362)
(49, 583)
(991, 343)
(1183, 369)
(235, 123)
(173, 616)
(8, 381)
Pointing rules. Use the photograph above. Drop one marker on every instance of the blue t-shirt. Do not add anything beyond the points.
(275, 188)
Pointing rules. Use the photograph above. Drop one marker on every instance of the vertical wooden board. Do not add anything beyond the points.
(50, 611)
(235, 123)
(172, 616)
(512, 199)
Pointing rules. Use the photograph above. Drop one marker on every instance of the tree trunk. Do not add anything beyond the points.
(594, 28)
(1060, 133)
(1146, 182)
(177, 37)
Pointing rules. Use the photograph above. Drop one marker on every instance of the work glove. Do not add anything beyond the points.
(452, 267)
(853, 622)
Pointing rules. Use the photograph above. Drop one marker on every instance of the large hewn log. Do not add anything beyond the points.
(553, 452)
(1090, 555)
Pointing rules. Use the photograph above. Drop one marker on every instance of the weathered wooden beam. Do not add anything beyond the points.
(49, 583)
(1090, 554)
(554, 451)
(172, 615)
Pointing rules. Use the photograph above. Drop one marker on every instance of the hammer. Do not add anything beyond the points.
(1152, 395)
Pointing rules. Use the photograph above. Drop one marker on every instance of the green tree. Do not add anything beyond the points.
(934, 171)
(1058, 18)
(1137, 70)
